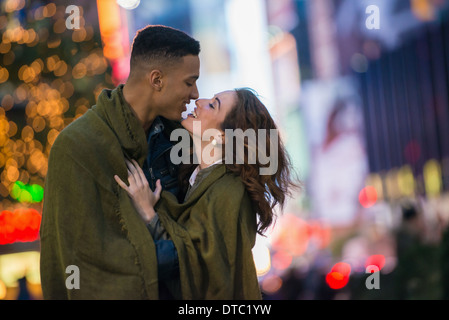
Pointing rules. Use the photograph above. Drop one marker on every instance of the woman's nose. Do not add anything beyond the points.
(199, 103)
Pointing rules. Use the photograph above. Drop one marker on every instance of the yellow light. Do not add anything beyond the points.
(49, 10)
(18, 265)
(2, 290)
(262, 259)
(79, 71)
(43, 108)
(38, 124)
(51, 62)
(26, 74)
(12, 174)
(391, 183)
(52, 135)
(60, 68)
(13, 5)
(27, 133)
(32, 36)
(12, 129)
(4, 74)
(406, 181)
(4, 126)
(432, 178)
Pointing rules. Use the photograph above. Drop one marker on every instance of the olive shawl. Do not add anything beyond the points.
(88, 221)
(214, 232)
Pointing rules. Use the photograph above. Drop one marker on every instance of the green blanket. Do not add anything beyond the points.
(214, 232)
(88, 221)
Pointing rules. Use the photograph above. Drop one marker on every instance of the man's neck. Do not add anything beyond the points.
(139, 105)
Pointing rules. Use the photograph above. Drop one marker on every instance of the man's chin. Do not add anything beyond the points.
(174, 117)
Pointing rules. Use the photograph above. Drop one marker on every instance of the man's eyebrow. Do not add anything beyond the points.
(195, 77)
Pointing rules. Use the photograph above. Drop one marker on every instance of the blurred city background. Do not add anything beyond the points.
(359, 90)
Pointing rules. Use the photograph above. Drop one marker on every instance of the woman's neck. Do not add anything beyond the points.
(206, 152)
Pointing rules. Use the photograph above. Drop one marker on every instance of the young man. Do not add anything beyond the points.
(94, 245)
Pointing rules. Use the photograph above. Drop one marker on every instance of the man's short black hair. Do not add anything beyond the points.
(156, 43)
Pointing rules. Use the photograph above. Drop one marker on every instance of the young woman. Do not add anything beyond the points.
(227, 199)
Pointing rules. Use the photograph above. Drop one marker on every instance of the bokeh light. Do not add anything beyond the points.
(368, 196)
(338, 276)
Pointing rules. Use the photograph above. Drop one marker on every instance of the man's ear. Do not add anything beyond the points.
(155, 79)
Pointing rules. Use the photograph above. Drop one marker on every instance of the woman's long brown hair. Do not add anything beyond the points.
(265, 191)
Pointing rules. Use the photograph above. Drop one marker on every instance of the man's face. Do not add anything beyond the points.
(179, 87)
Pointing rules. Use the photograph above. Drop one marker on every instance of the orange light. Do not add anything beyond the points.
(109, 21)
(114, 34)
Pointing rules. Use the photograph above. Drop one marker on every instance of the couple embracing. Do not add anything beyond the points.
(136, 224)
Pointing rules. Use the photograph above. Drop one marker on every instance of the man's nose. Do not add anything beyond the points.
(195, 94)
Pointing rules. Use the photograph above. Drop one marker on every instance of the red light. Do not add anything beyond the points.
(377, 260)
(338, 277)
(22, 225)
(368, 196)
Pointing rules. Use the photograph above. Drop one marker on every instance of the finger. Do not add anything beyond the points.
(131, 179)
(133, 173)
(158, 190)
(129, 165)
(139, 170)
(134, 166)
(121, 183)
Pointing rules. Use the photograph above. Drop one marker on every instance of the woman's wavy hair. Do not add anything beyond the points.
(265, 191)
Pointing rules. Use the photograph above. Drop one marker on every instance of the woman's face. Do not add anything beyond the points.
(210, 113)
